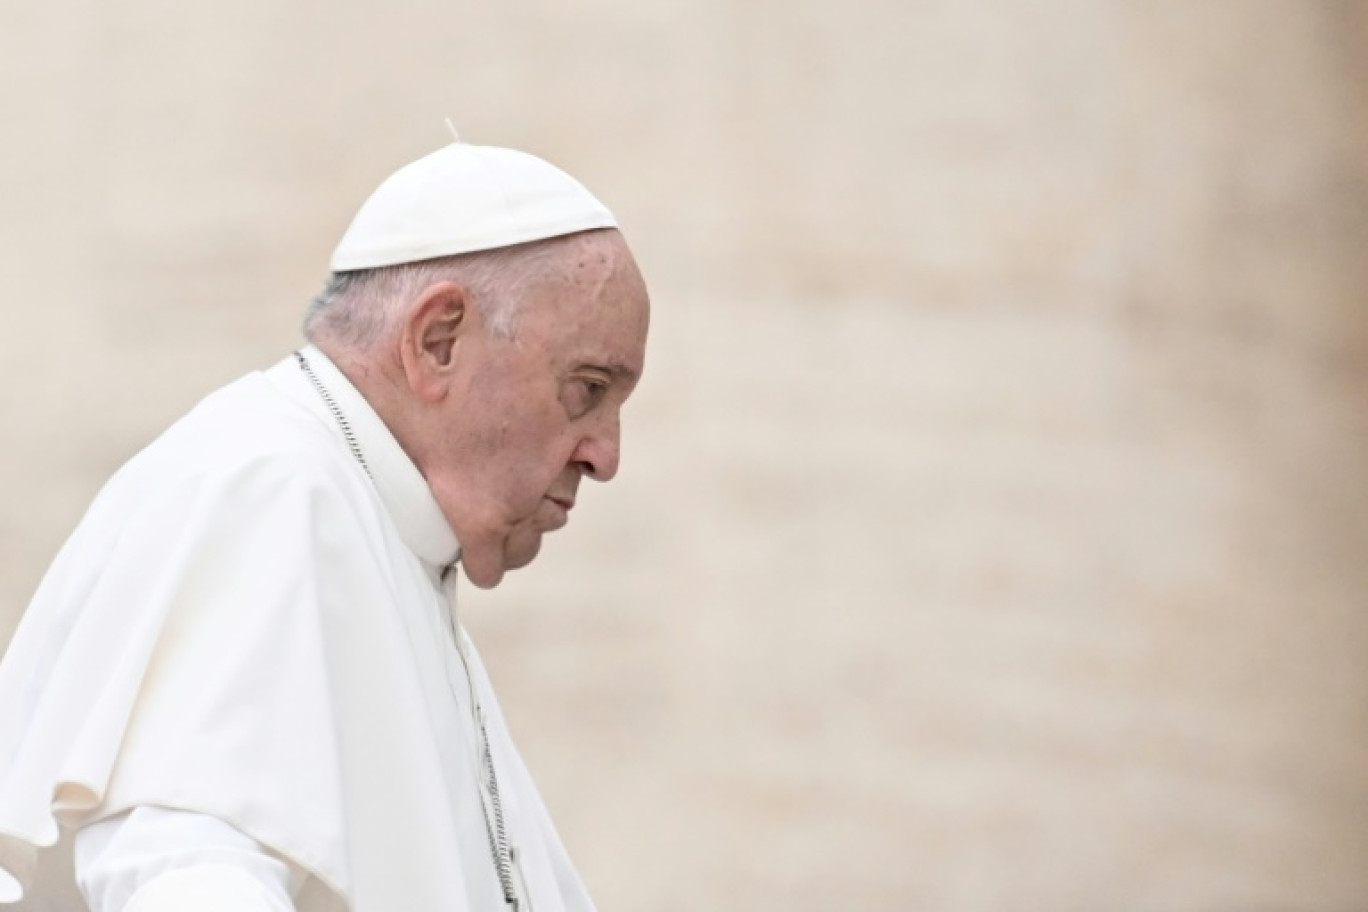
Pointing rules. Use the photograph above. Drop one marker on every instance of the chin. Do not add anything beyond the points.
(485, 568)
(482, 576)
(520, 554)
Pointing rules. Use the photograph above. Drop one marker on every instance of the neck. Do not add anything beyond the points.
(382, 386)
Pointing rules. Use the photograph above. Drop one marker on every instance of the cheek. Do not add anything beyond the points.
(537, 446)
(515, 447)
(524, 467)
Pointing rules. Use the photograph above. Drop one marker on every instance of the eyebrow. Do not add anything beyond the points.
(621, 371)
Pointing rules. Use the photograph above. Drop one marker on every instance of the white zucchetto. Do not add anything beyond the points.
(463, 198)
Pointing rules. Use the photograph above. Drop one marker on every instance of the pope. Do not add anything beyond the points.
(243, 684)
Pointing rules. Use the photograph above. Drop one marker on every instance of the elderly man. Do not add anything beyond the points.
(242, 685)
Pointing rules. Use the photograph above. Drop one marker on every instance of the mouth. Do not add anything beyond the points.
(562, 512)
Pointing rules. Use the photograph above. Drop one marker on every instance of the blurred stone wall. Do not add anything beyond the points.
(992, 527)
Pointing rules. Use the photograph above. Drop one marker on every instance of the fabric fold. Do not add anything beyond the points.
(183, 665)
(241, 627)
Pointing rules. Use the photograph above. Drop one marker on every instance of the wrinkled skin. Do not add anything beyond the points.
(504, 429)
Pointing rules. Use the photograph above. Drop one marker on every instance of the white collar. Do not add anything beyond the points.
(402, 488)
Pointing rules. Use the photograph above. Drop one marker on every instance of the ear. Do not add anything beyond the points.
(436, 321)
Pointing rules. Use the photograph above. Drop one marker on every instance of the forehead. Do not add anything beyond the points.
(592, 305)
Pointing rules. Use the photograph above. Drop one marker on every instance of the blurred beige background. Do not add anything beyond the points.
(993, 525)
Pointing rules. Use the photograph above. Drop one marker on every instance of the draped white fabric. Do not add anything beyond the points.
(119, 857)
(246, 625)
(204, 888)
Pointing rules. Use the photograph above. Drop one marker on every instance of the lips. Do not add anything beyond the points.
(561, 515)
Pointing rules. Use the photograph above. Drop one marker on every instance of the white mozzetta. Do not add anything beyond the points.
(244, 625)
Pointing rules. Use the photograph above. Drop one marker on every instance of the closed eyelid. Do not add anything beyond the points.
(614, 370)
(583, 394)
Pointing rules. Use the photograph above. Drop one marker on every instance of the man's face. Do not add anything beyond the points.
(532, 414)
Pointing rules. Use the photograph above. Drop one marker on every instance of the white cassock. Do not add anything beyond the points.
(253, 629)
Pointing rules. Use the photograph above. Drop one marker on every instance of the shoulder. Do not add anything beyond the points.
(251, 477)
(247, 430)
(246, 454)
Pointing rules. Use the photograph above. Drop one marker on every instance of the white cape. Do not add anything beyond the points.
(245, 625)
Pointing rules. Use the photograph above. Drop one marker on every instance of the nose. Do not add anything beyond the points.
(599, 452)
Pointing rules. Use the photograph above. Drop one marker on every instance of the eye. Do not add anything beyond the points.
(584, 394)
(593, 390)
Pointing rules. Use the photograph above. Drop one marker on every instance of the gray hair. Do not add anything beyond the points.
(358, 309)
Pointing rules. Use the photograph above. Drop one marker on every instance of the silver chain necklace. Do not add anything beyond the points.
(336, 412)
(499, 848)
(498, 835)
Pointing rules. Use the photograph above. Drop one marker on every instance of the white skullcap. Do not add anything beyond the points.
(464, 198)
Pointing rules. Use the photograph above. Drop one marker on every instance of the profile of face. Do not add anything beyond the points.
(513, 422)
